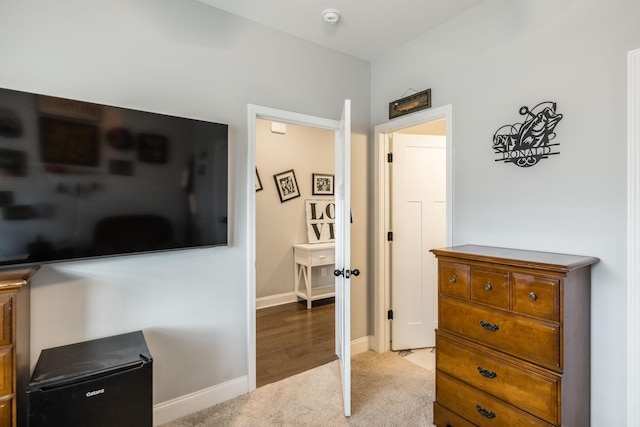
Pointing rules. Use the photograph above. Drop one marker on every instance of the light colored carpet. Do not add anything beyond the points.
(387, 391)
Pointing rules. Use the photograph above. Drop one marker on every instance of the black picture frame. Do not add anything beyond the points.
(258, 181)
(287, 185)
(322, 184)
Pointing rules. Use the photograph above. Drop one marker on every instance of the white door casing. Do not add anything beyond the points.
(418, 223)
(633, 242)
(381, 254)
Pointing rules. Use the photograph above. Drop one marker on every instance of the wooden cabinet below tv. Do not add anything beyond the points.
(14, 345)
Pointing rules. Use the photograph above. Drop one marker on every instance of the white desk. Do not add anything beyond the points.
(305, 257)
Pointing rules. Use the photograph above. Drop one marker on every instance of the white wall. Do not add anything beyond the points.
(187, 59)
(489, 62)
(361, 288)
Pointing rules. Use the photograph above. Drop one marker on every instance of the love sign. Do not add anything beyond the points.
(321, 217)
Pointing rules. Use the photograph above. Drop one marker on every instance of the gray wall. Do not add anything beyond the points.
(489, 62)
(181, 58)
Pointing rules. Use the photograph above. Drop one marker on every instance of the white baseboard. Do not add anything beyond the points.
(199, 400)
(273, 300)
(361, 345)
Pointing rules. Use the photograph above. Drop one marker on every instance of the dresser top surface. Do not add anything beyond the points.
(12, 279)
(517, 257)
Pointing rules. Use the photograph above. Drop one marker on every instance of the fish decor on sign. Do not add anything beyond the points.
(525, 144)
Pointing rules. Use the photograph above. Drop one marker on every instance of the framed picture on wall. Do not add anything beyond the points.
(287, 185)
(258, 182)
(322, 184)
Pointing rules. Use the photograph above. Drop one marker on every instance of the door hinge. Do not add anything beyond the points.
(390, 315)
(390, 236)
(389, 157)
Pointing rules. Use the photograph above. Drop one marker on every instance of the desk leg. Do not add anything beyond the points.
(309, 302)
(296, 279)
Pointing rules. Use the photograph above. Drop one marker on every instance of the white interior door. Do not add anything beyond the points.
(418, 222)
(342, 190)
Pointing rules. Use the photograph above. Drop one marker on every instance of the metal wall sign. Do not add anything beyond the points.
(410, 104)
(525, 144)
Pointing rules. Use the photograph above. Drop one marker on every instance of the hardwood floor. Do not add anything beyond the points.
(291, 339)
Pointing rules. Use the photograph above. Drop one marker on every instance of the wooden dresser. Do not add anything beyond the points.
(513, 338)
(14, 345)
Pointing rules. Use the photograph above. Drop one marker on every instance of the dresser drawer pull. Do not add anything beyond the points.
(533, 296)
(488, 287)
(452, 280)
(486, 373)
(489, 326)
(485, 412)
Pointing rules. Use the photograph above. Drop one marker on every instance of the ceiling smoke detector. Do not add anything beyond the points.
(332, 16)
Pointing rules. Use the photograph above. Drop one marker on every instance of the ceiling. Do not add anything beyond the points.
(367, 29)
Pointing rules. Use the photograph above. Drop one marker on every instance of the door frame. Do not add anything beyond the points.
(633, 232)
(381, 256)
(255, 112)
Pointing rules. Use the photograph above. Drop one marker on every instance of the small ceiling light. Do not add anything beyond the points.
(331, 16)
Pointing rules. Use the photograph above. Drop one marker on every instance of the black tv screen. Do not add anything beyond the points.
(84, 180)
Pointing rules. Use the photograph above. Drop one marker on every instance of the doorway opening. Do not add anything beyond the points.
(423, 312)
(254, 113)
(293, 333)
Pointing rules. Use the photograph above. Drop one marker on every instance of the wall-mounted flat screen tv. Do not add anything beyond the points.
(84, 180)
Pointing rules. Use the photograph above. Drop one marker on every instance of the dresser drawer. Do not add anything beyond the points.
(323, 257)
(313, 257)
(490, 287)
(6, 371)
(535, 341)
(442, 417)
(536, 296)
(504, 377)
(453, 279)
(5, 320)
(478, 407)
(6, 413)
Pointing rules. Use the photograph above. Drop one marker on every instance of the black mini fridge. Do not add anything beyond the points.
(100, 383)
